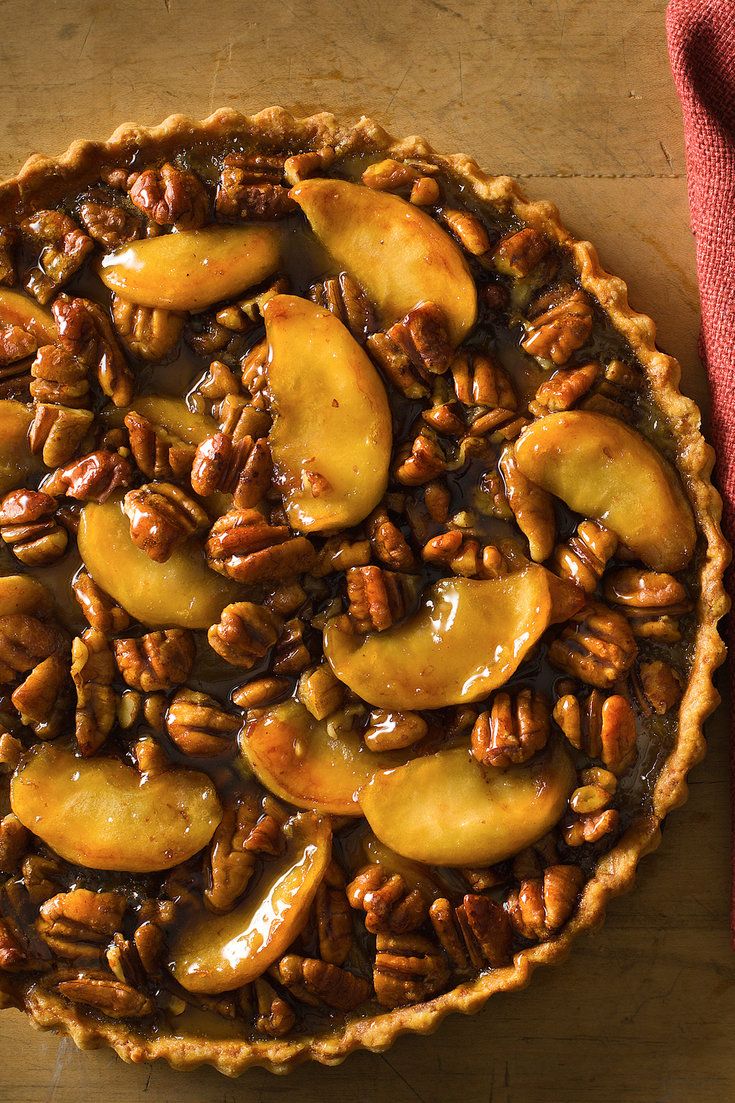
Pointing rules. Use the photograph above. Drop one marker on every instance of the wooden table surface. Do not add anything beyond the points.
(575, 98)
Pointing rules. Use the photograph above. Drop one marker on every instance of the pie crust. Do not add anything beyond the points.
(44, 180)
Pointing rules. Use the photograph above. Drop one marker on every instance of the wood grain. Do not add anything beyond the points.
(576, 97)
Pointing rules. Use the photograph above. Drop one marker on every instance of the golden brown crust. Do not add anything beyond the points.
(45, 180)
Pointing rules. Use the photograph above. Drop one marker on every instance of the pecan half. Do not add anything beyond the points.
(473, 935)
(422, 463)
(388, 903)
(170, 196)
(560, 327)
(541, 905)
(64, 248)
(661, 685)
(339, 553)
(291, 654)
(480, 382)
(25, 641)
(333, 917)
(99, 608)
(92, 478)
(112, 997)
(652, 602)
(57, 431)
(376, 598)
(320, 692)
(532, 507)
(389, 175)
(245, 547)
(110, 225)
(249, 188)
(596, 645)
(158, 453)
(86, 332)
(513, 730)
(391, 731)
(583, 558)
(518, 254)
(303, 165)
(261, 692)
(157, 660)
(198, 725)
(231, 861)
(161, 518)
(58, 377)
(148, 332)
(29, 527)
(42, 877)
(468, 230)
(16, 344)
(563, 389)
(40, 699)
(244, 633)
(245, 314)
(604, 728)
(408, 969)
(243, 469)
(93, 671)
(275, 1017)
(397, 367)
(423, 336)
(388, 543)
(348, 302)
(322, 982)
(77, 924)
(590, 827)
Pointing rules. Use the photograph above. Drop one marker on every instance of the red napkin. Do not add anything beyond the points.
(701, 37)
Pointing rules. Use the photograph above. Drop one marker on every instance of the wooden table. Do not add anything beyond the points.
(575, 98)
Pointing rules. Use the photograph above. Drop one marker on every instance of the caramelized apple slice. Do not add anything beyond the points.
(215, 953)
(445, 810)
(99, 813)
(395, 251)
(606, 471)
(192, 269)
(180, 591)
(466, 638)
(18, 310)
(331, 437)
(295, 756)
(16, 460)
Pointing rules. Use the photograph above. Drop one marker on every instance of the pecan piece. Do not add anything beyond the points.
(661, 685)
(93, 671)
(77, 924)
(388, 543)
(158, 453)
(275, 1016)
(652, 602)
(112, 997)
(339, 554)
(475, 934)
(408, 969)
(110, 225)
(303, 165)
(25, 641)
(333, 917)
(170, 196)
(244, 633)
(388, 903)
(42, 877)
(389, 175)
(13, 947)
(231, 861)
(532, 507)
(59, 378)
(518, 254)
(157, 660)
(161, 518)
(98, 607)
(57, 431)
(261, 692)
(348, 302)
(39, 698)
(391, 731)
(92, 478)
(148, 332)
(590, 827)
(560, 328)
(322, 982)
(249, 188)
(596, 645)
(14, 839)
(464, 555)
(64, 248)
(291, 654)
(583, 558)
(198, 725)
(16, 344)
(243, 469)
(86, 332)
(396, 365)
(513, 730)
(422, 464)
(563, 389)
(376, 598)
(320, 692)
(541, 905)
(468, 230)
(589, 818)
(423, 336)
(29, 527)
(244, 546)
(604, 729)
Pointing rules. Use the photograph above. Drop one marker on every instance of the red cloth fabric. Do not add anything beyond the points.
(701, 36)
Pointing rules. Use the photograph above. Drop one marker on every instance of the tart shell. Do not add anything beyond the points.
(44, 181)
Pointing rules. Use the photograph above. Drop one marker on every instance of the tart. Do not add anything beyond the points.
(361, 573)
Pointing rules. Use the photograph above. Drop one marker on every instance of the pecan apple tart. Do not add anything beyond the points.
(360, 579)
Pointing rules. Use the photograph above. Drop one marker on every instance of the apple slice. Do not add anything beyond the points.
(17, 309)
(182, 591)
(173, 415)
(216, 953)
(467, 637)
(606, 471)
(16, 460)
(101, 814)
(395, 251)
(331, 436)
(296, 758)
(445, 810)
(192, 269)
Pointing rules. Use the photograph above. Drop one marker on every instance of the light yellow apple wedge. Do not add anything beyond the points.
(17, 309)
(396, 252)
(216, 953)
(331, 436)
(607, 471)
(16, 459)
(467, 638)
(192, 269)
(445, 810)
(296, 758)
(182, 591)
(99, 813)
